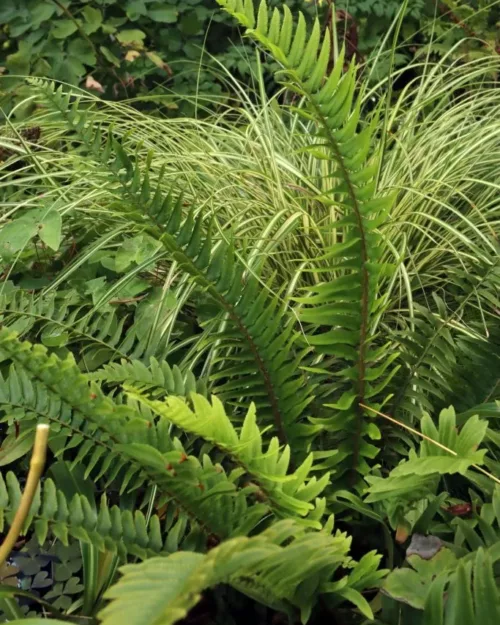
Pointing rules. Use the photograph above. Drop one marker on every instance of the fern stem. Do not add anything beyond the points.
(36, 467)
(275, 409)
(363, 329)
(228, 307)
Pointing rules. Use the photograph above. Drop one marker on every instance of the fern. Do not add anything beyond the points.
(261, 361)
(447, 590)
(204, 504)
(115, 440)
(340, 309)
(107, 528)
(415, 477)
(64, 320)
(237, 475)
(158, 378)
(55, 390)
(435, 345)
(289, 493)
(282, 567)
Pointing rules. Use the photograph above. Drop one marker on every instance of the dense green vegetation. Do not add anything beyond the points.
(265, 339)
(163, 53)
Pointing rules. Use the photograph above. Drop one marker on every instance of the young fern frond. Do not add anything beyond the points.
(417, 476)
(289, 494)
(338, 311)
(107, 528)
(261, 360)
(283, 567)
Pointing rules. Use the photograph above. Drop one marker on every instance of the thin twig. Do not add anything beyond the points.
(36, 467)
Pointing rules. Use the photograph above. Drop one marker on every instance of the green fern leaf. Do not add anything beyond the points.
(52, 513)
(283, 567)
(417, 476)
(356, 264)
(281, 385)
(289, 493)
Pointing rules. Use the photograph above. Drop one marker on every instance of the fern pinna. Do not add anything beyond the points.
(283, 567)
(338, 312)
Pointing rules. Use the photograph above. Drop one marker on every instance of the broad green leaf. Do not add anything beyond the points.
(412, 586)
(81, 49)
(168, 15)
(41, 12)
(136, 8)
(42, 221)
(63, 28)
(443, 560)
(93, 19)
(407, 586)
(131, 36)
(15, 236)
(49, 229)
(19, 62)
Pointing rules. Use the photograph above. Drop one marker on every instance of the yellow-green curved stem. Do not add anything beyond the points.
(36, 467)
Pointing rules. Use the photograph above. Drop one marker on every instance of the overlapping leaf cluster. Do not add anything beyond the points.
(239, 488)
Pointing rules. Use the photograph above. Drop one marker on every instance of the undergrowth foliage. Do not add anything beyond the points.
(119, 442)
(213, 422)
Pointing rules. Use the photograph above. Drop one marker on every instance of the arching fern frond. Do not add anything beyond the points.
(290, 494)
(261, 359)
(439, 346)
(428, 352)
(338, 311)
(283, 567)
(64, 319)
(158, 379)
